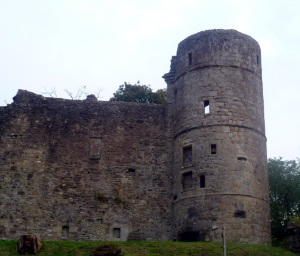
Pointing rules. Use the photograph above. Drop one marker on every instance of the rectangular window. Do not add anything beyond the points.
(206, 106)
(65, 232)
(257, 59)
(117, 233)
(187, 156)
(187, 180)
(190, 59)
(213, 149)
(202, 181)
(240, 214)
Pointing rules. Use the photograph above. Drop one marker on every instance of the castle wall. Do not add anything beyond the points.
(84, 170)
(89, 170)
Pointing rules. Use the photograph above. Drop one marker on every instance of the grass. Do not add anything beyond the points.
(295, 221)
(67, 248)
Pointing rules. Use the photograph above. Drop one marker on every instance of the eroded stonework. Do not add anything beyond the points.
(90, 170)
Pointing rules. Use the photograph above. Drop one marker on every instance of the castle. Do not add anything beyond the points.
(90, 170)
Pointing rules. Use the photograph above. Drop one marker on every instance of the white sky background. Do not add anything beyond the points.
(100, 44)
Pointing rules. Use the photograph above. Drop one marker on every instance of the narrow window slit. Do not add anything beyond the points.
(202, 181)
(190, 59)
(240, 158)
(213, 149)
(206, 106)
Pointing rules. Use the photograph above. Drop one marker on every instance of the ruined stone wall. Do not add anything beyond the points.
(89, 170)
(220, 161)
(84, 170)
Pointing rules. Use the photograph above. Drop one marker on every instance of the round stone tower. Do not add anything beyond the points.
(215, 100)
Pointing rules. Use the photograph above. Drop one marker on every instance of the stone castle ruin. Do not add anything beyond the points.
(93, 170)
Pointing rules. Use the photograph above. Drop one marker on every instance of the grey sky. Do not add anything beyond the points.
(101, 44)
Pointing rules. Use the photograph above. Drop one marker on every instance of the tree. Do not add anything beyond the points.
(139, 93)
(74, 95)
(284, 181)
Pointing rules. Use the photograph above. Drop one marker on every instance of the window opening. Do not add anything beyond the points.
(213, 149)
(257, 59)
(202, 181)
(131, 170)
(206, 107)
(65, 231)
(240, 158)
(117, 233)
(187, 180)
(187, 156)
(190, 59)
(240, 214)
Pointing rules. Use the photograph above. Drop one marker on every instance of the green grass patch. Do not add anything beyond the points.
(296, 221)
(67, 248)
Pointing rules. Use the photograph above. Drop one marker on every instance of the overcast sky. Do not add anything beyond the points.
(66, 44)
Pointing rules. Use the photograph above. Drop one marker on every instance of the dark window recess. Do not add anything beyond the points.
(117, 233)
(190, 59)
(187, 156)
(257, 59)
(175, 197)
(202, 181)
(213, 149)
(240, 158)
(206, 106)
(65, 231)
(131, 170)
(187, 180)
(190, 236)
(240, 214)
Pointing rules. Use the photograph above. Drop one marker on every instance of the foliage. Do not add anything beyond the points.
(284, 180)
(73, 95)
(139, 93)
(67, 248)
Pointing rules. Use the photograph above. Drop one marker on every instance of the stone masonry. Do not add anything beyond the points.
(88, 170)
